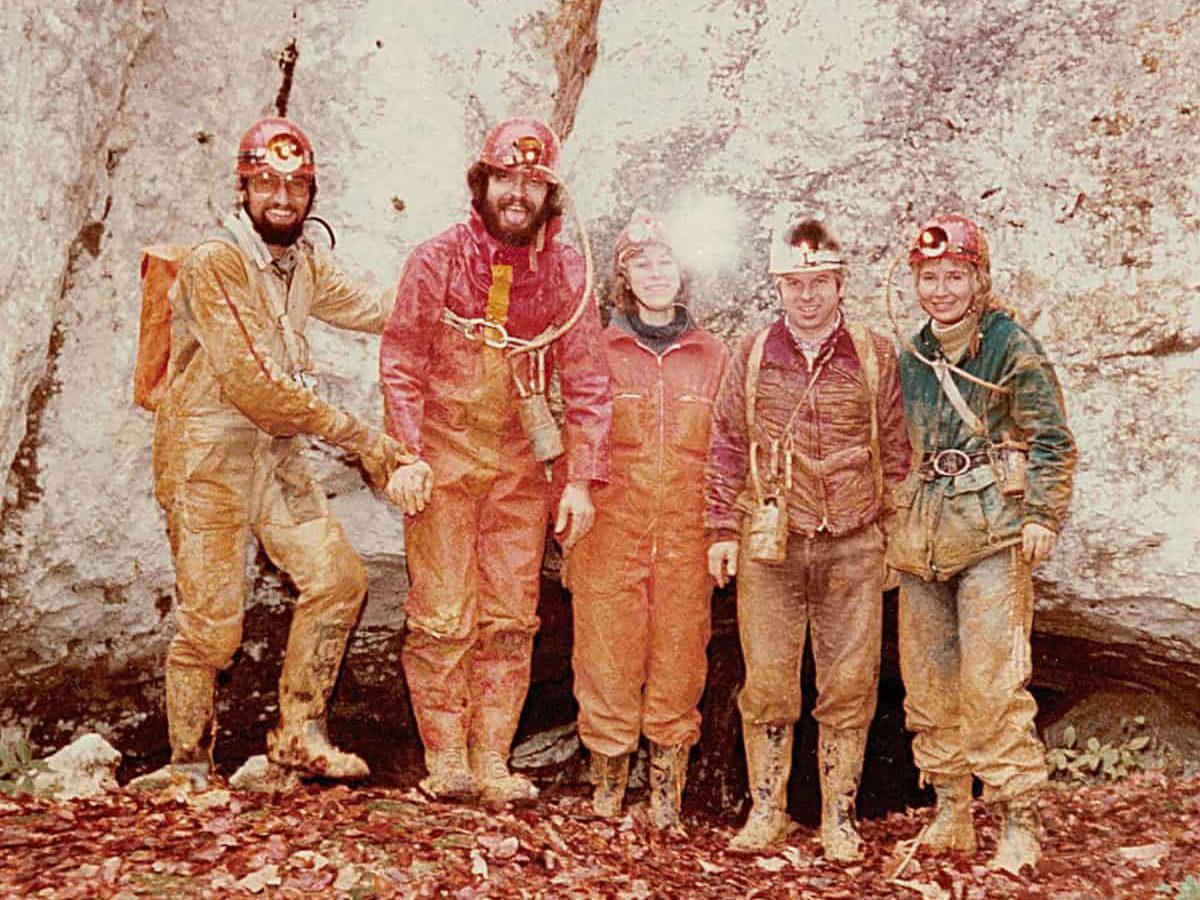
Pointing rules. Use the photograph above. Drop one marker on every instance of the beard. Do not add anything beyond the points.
(278, 235)
(515, 237)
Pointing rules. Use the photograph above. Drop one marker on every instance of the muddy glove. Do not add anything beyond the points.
(379, 454)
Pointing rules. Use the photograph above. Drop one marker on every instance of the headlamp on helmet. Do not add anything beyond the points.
(951, 236)
(643, 228)
(805, 246)
(526, 151)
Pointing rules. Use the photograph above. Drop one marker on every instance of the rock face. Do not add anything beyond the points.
(1068, 130)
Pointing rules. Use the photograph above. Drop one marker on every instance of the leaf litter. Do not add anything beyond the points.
(1134, 839)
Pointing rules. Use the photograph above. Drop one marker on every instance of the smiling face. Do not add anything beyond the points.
(277, 205)
(654, 279)
(514, 205)
(810, 301)
(946, 289)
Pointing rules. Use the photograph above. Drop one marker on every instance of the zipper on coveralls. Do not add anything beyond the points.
(662, 431)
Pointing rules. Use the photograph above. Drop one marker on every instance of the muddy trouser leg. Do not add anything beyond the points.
(846, 605)
(677, 665)
(772, 613)
(995, 598)
(512, 538)
(680, 626)
(442, 608)
(208, 544)
(609, 575)
(995, 603)
(930, 660)
(307, 543)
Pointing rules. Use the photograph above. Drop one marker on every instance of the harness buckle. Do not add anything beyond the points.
(483, 330)
(949, 463)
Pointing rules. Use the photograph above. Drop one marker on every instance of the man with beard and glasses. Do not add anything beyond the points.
(228, 459)
(460, 393)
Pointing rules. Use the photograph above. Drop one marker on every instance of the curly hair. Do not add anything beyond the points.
(477, 181)
(621, 295)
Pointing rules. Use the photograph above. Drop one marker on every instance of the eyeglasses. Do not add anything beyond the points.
(267, 183)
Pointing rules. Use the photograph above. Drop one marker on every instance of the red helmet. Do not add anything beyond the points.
(643, 229)
(953, 236)
(277, 144)
(522, 144)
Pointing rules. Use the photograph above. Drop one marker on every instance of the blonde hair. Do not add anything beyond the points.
(985, 297)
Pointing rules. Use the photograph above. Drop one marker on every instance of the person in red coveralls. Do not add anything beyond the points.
(464, 390)
(639, 580)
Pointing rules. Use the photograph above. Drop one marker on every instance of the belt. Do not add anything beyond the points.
(948, 463)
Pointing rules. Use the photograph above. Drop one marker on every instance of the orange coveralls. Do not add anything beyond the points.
(639, 577)
(475, 552)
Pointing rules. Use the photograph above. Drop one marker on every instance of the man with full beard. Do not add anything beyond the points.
(228, 458)
(478, 500)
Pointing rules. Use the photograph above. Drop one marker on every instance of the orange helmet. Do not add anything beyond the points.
(277, 144)
(521, 144)
(952, 236)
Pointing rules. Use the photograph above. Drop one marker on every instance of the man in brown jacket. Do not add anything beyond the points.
(227, 462)
(808, 440)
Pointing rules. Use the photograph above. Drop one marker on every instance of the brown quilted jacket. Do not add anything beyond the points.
(832, 475)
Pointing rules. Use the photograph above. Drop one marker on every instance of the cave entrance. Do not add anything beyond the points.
(370, 714)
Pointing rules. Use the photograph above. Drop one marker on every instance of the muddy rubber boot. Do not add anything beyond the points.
(304, 747)
(191, 729)
(668, 776)
(952, 827)
(1020, 834)
(497, 783)
(839, 763)
(449, 777)
(310, 667)
(769, 763)
(176, 779)
(610, 775)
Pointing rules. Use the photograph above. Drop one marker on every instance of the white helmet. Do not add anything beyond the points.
(804, 245)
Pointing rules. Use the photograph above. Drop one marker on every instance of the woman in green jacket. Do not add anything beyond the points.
(983, 507)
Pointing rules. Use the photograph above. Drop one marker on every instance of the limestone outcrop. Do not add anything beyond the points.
(1071, 131)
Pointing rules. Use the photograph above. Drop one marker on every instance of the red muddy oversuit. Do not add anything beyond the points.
(639, 578)
(475, 552)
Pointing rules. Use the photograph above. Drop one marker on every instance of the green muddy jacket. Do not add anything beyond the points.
(947, 523)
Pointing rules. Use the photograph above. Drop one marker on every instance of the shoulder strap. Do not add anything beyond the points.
(864, 346)
(942, 368)
(753, 364)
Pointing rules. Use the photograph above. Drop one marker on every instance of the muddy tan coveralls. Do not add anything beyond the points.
(227, 466)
